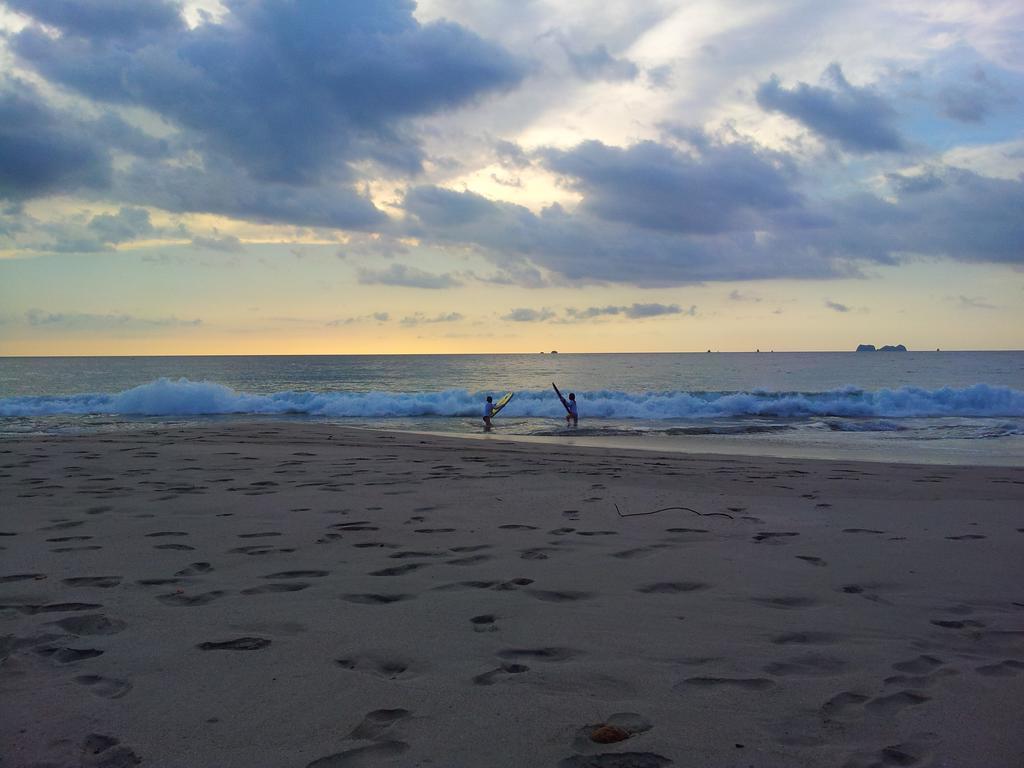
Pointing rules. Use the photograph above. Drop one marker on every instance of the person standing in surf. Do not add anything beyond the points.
(571, 414)
(488, 410)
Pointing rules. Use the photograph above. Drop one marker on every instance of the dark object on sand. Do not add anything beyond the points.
(608, 734)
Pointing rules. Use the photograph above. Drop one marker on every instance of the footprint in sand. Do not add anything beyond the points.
(91, 624)
(377, 724)
(558, 596)
(958, 624)
(105, 687)
(966, 537)
(62, 526)
(399, 570)
(414, 553)
(238, 644)
(809, 665)
(806, 638)
(636, 552)
(22, 577)
(774, 536)
(65, 655)
(265, 589)
(471, 560)
(499, 674)
(188, 601)
(178, 547)
(672, 587)
(102, 582)
(32, 610)
(386, 666)
(787, 602)
(374, 598)
(99, 751)
(887, 706)
(919, 666)
(484, 623)
(195, 569)
(1007, 668)
(260, 549)
(539, 654)
(844, 703)
(297, 575)
(816, 561)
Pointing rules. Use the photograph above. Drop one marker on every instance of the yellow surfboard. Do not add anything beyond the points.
(502, 403)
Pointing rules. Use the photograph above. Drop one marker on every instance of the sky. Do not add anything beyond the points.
(318, 177)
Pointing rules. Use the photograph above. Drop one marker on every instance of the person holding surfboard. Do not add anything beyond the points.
(491, 408)
(572, 416)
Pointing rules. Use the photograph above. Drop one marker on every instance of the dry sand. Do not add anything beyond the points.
(295, 595)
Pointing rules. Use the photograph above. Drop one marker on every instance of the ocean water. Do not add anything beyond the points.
(943, 407)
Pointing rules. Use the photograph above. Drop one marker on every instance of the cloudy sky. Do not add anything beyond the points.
(311, 176)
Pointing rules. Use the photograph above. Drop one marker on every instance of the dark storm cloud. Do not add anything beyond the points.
(127, 224)
(657, 215)
(118, 134)
(407, 277)
(652, 214)
(290, 91)
(968, 104)
(104, 18)
(217, 185)
(583, 248)
(84, 233)
(858, 118)
(598, 64)
(511, 155)
(656, 186)
(43, 150)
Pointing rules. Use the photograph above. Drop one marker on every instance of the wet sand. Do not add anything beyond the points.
(296, 595)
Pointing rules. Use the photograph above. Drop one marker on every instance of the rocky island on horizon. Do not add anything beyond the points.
(886, 348)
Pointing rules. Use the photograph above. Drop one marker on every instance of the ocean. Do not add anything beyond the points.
(933, 407)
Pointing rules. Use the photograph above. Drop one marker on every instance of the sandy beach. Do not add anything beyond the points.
(276, 595)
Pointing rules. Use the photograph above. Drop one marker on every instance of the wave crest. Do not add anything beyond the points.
(183, 397)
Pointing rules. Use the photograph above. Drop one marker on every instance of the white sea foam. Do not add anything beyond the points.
(183, 397)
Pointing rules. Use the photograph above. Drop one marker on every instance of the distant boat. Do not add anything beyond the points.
(554, 351)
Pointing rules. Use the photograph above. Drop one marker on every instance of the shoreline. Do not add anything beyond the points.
(745, 446)
(274, 594)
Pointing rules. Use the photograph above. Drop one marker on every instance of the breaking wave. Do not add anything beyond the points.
(183, 397)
